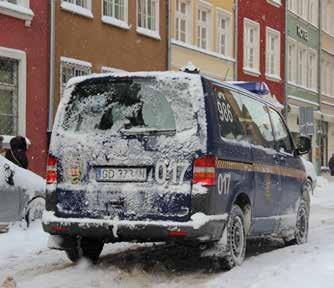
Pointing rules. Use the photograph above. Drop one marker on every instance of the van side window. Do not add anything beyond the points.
(281, 133)
(229, 111)
(257, 124)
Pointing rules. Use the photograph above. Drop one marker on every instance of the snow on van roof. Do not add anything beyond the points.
(170, 74)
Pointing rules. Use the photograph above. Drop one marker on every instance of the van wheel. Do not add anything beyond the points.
(236, 239)
(86, 248)
(302, 223)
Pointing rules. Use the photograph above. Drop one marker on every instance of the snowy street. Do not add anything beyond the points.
(25, 258)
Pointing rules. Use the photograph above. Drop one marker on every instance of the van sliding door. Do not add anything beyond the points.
(267, 180)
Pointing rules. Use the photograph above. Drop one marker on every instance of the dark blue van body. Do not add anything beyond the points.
(186, 150)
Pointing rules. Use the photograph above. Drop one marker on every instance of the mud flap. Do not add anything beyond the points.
(57, 242)
(218, 249)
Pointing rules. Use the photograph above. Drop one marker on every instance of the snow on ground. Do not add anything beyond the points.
(24, 256)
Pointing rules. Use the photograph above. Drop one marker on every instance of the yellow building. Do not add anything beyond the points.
(202, 32)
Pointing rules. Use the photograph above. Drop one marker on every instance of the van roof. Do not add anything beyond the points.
(267, 99)
(80, 79)
(270, 102)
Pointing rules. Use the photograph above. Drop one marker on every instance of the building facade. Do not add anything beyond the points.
(24, 58)
(303, 49)
(261, 34)
(94, 36)
(326, 139)
(202, 32)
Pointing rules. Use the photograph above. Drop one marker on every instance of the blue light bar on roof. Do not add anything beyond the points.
(259, 88)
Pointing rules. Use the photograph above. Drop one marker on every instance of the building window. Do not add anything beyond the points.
(273, 53)
(313, 12)
(323, 77)
(72, 68)
(292, 61)
(24, 3)
(81, 3)
(302, 8)
(251, 45)
(292, 5)
(183, 21)
(302, 66)
(328, 17)
(81, 7)
(18, 9)
(8, 96)
(332, 82)
(116, 9)
(312, 70)
(203, 27)
(329, 78)
(224, 33)
(148, 17)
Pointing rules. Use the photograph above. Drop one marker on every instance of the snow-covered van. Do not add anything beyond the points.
(171, 156)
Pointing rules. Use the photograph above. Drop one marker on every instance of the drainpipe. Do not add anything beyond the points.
(52, 66)
(236, 39)
(286, 106)
(319, 80)
(319, 51)
(169, 57)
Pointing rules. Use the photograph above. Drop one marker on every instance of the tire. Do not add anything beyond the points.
(35, 210)
(302, 224)
(236, 239)
(86, 248)
(309, 187)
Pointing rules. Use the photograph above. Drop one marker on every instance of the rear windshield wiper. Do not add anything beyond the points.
(147, 131)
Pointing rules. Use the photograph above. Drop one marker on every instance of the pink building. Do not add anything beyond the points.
(261, 43)
(24, 74)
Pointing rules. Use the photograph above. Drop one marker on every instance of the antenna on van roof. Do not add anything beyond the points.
(190, 68)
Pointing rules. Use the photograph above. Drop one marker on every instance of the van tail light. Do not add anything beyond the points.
(51, 170)
(204, 171)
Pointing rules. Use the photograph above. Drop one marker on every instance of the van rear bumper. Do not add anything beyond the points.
(201, 228)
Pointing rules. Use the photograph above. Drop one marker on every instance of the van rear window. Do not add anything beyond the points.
(125, 104)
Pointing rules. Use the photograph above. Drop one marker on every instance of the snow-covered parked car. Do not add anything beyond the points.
(22, 194)
(175, 157)
(311, 175)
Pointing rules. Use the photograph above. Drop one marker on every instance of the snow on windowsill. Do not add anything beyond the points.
(77, 9)
(326, 95)
(195, 48)
(17, 11)
(273, 77)
(276, 3)
(148, 33)
(302, 87)
(115, 22)
(76, 62)
(252, 72)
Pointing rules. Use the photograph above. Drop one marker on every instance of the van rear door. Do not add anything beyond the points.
(130, 144)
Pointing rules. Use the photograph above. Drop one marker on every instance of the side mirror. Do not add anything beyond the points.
(304, 145)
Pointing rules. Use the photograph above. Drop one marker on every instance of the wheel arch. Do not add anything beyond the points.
(243, 201)
(27, 206)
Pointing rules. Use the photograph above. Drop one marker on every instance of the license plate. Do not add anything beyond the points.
(112, 174)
